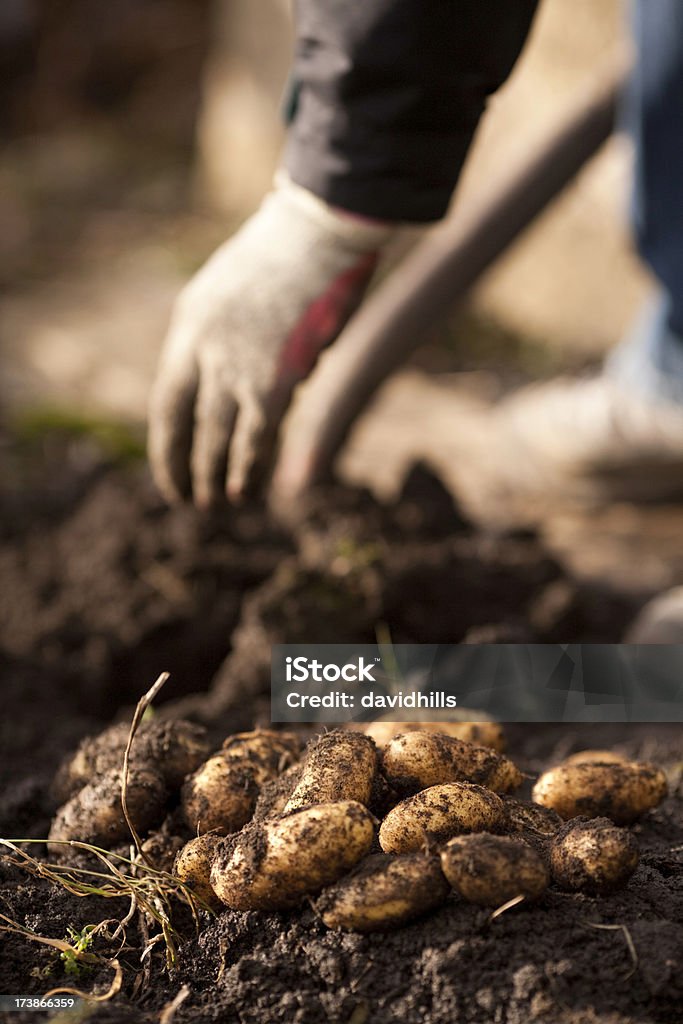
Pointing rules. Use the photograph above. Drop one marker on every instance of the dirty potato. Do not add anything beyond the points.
(526, 816)
(438, 813)
(483, 734)
(593, 855)
(416, 760)
(174, 749)
(221, 795)
(490, 870)
(275, 864)
(383, 893)
(95, 814)
(171, 748)
(339, 766)
(193, 866)
(160, 849)
(622, 792)
(596, 757)
(264, 747)
(275, 793)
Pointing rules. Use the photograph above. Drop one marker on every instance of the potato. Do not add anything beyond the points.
(275, 793)
(622, 792)
(592, 855)
(416, 760)
(275, 864)
(266, 747)
(596, 757)
(171, 748)
(383, 893)
(339, 766)
(483, 734)
(193, 865)
(526, 816)
(95, 815)
(490, 870)
(438, 813)
(174, 748)
(161, 847)
(221, 795)
(94, 756)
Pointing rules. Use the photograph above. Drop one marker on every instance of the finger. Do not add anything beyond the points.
(215, 419)
(171, 418)
(255, 444)
(251, 452)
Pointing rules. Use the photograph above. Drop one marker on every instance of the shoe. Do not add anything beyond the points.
(660, 621)
(585, 439)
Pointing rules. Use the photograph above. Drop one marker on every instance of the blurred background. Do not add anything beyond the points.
(137, 135)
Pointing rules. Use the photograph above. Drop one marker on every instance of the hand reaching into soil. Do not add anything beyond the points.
(246, 329)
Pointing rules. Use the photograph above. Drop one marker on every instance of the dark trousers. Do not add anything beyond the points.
(650, 361)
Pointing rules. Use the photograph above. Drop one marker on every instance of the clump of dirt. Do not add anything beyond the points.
(120, 586)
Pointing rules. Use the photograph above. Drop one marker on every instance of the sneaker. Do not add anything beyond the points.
(660, 621)
(584, 439)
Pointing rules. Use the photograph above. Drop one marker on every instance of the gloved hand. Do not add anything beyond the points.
(245, 330)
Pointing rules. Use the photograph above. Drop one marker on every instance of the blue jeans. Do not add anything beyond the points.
(651, 358)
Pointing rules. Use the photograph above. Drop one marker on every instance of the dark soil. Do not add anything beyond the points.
(103, 588)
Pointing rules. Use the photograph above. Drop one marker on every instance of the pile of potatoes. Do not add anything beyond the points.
(176, 787)
(377, 829)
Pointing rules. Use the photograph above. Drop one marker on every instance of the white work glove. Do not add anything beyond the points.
(245, 330)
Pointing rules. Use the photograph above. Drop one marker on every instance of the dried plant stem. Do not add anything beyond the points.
(142, 705)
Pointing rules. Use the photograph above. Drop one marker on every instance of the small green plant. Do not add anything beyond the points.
(118, 441)
(43, 973)
(79, 942)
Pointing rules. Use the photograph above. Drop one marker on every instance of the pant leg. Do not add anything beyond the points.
(388, 94)
(655, 110)
(650, 360)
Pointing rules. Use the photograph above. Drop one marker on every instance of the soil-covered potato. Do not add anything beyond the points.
(482, 734)
(490, 870)
(275, 864)
(95, 814)
(221, 795)
(273, 750)
(275, 793)
(593, 855)
(622, 792)
(384, 892)
(416, 760)
(439, 813)
(527, 816)
(193, 865)
(339, 765)
(161, 847)
(596, 757)
(171, 748)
